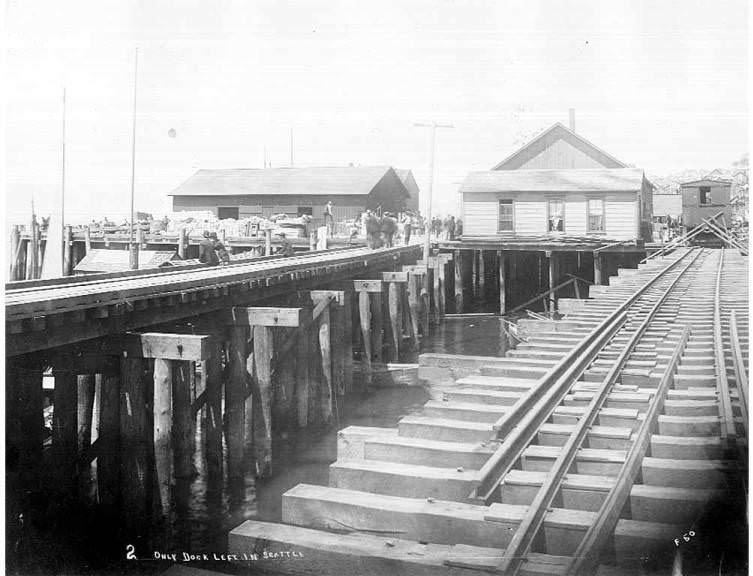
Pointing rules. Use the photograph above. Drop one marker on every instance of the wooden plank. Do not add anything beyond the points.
(235, 400)
(262, 400)
(162, 409)
(159, 345)
(269, 316)
(373, 286)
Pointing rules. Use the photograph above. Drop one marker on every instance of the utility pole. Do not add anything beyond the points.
(426, 288)
(291, 146)
(62, 200)
(427, 225)
(132, 248)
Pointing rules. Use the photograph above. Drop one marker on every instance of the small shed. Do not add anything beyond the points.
(703, 199)
(407, 178)
(98, 260)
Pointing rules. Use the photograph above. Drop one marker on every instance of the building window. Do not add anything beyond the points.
(305, 210)
(505, 222)
(227, 212)
(596, 215)
(556, 216)
(705, 194)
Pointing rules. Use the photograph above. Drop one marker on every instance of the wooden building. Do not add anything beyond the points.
(613, 204)
(239, 193)
(406, 176)
(703, 199)
(559, 148)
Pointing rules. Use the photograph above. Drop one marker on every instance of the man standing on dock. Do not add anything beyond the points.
(207, 255)
(329, 220)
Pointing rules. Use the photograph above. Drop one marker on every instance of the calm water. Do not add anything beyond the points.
(204, 510)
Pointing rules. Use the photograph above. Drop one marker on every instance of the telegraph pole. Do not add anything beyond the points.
(133, 249)
(426, 288)
(427, 225)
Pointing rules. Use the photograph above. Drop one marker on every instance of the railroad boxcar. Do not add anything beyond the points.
(703, 199)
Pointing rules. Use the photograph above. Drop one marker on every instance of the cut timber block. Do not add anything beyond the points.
(336, 296)
(673, 505)
(689, 425)
(362, 554)
(268, 316)
(538, 564)
(635, 541)
(368, 285)
(686, 447)
(471, 456)
(351, 440)
(406, 480)
(463, 411)
(579, 491)
(163, 346)
(687, 473)
(435, 521)
(445, 429)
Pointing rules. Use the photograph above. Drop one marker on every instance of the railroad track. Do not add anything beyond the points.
(40, 298)
(613, 441)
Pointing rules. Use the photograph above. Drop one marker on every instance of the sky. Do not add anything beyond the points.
(658, 84)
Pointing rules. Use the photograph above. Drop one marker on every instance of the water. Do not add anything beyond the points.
(205, 509)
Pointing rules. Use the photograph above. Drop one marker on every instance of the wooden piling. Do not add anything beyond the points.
(597, 269)
(135, 473)
(25, 424)
(262, 400)
(212, 415)
(32, 252)
(553, 274)
(65, 430)
(364, 309)
(15, 241)
(108, 435)
(68, 251)
(235, 400)
(87, 239)
(133, 256)
(458, 282)
(414, 306)
(481, 275)
(327, 395)
(501, 276)
(377, 325)
(347, 338)
(395, 282)
(474, 273)
(267, 241)
(183, 437)
(162, 407)
(182, 243)
(85, 412)
(302, 376)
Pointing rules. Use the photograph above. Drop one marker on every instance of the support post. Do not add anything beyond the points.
(235, 400)
(327, 392)
(312, 241)
(267, 241)
(67, 251)
(502, 286)
(364, 310)
(553, 274)
(597, 269)
(162, 417)
(135, 476)
(87, 239)
(65, 430)
(414, 305)
(182, 243)
(474, 273)
(108, 473)
(303, 377)
(133, 258)
(15, 241)
(262, 400)
(85, 398)
(183, 432)
(212, 416)
(481, 275)
(458, 282)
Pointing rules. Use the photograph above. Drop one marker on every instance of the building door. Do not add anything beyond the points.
(224, 212)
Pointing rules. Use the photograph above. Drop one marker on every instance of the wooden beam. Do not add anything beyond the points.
(158, 345)
(373, 286)
(269, 316)
(108, 436)
(183, 429)
(212, 415)
(395, 276)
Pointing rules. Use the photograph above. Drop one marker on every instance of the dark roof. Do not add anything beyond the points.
(566, 180)
(704, 181)
(99, 260)
(547, 138)
(347, 180)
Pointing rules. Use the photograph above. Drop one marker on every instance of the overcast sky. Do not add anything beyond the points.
(658, 84)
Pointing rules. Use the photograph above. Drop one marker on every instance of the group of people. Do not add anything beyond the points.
(448, 228)
(212, 251)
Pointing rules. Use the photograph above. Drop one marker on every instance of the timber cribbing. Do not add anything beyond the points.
(50, 313)
(612, 441)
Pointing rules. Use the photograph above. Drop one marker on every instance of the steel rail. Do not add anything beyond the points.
(520, 423)
(585, 557)
(531, 522)
(738, 362)
(100, 293)
(726, 415)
